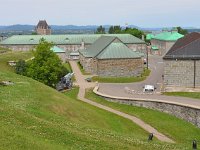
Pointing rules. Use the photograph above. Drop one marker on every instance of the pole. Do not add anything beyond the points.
(147, 58)
(194, 73)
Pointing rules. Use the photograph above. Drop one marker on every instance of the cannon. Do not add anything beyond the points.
(65, 82)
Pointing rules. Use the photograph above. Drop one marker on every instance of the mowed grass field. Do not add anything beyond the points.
(35, 116)
(177, 129)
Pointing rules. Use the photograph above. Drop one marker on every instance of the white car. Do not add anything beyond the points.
(149, 88)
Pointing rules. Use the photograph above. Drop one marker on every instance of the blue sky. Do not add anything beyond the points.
(143, 13)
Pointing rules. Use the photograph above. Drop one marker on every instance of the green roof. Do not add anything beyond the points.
(109, 48)
(168, 36)
(97, 46)
(66, 39)
(149, 36)
(154, 48)
(116, 51)
(57, 49)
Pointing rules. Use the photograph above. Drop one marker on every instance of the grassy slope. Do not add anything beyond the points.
(38, 117)
(34, 116)
(144, 75)
(5, 57)
(195, 95)
(179, 130)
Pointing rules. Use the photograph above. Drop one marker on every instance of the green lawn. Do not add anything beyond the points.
(179, 130)
(68, 66)
(34, 116)
(12, 56)
(81, 69)
(144, 75)
(195, 95)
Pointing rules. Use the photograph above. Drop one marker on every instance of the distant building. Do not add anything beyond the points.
(110, 57)
(182, 63)
(162, 42)
(69, 43)
(43, 28)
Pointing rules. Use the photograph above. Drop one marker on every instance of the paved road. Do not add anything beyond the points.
(155, 78)
(83, 85)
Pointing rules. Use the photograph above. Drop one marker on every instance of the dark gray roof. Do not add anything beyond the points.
(185, 48)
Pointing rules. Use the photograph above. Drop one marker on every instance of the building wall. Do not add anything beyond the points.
(74, 47)
(62, 56)
(180, 73)
(43, 31)
(138, 47)
(120, 67)
(163, 46)
(89, 64)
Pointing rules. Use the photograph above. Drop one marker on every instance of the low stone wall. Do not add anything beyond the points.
(188, 113)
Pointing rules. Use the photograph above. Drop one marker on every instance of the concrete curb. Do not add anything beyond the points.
(95, 90)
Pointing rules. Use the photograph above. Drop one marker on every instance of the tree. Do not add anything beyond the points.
(111, 30)
(135, 32)
(46, 66)
(115, 30)
(20, 67)
(182, 31)
(100, 30)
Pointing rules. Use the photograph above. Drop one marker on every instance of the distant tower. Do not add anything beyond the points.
(43, 28)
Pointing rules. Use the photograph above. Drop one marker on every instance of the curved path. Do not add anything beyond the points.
(83, 85)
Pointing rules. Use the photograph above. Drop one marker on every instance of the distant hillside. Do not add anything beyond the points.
(19, 27)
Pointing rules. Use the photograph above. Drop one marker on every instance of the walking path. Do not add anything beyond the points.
(81, 95)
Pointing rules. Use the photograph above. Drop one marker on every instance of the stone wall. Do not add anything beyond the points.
(120, 67)
(41, 31)
(189, 114)
(185, 112)
(62, 56)
(180, 73)
(163, 46)
(138, 47)
(89, 64)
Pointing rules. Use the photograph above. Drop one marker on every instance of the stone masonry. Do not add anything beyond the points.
(180, 73)
(120, 67)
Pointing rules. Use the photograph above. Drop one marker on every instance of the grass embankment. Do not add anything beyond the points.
(4, 50)
(12, 56)
(34, 116)
(179, 130)
(81, 69)
(143, 76)
(195, 95)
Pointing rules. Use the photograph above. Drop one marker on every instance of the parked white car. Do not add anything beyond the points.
(149, 88)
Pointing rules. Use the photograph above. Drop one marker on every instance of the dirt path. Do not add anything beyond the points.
(81, 95)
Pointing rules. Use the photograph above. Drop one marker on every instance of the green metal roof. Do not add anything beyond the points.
(154, 48)
(57, 49)
(109, 48)
(116, 51)
(149, 36)
(97, 46)
(168, 36)
(66, 39)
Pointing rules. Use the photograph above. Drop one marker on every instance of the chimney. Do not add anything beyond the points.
(142, 37)
(82, 44)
